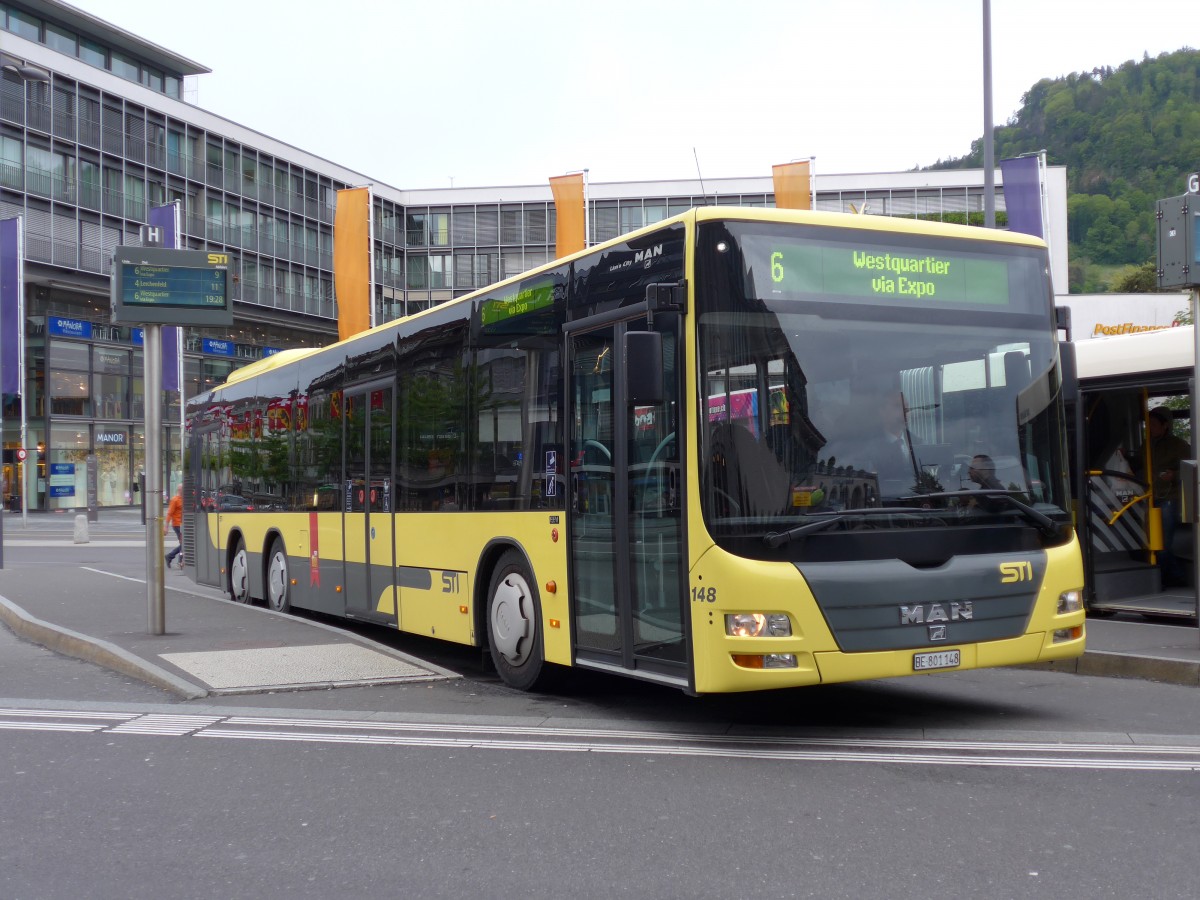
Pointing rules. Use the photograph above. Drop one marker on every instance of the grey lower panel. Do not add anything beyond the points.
(889, 605)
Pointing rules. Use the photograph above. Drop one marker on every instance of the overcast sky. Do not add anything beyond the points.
(496, 92)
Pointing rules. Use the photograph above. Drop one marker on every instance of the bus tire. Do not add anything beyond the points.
(239, 574)
(514, 623)
(279, 584)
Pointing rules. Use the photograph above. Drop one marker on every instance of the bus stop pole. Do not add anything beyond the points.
(1195, 470)
(152, 495)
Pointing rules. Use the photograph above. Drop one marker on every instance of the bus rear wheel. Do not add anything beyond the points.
(514, 624)
(278, 578)
(239, 574)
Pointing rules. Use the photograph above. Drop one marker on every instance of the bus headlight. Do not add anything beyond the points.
(758, 625)
(1070, 601)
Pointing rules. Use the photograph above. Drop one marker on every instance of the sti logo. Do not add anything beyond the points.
(218, 259)
(1011, 572)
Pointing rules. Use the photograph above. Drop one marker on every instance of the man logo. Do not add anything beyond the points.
(927, 613)
(937, 632)
(1011, 572)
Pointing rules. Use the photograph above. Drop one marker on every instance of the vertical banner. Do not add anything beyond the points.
(793, 185)
(11, 334)
(570, 205)
(166, 218)
(352, 261)
(1022, 179)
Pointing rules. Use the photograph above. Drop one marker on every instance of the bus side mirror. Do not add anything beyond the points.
(643, 368)
(1187, 475)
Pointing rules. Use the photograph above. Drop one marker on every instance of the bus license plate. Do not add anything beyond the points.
(942, 659)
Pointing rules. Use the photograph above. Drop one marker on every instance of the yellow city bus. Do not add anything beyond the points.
(661, 457)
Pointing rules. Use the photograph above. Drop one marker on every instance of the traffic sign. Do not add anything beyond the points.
(21, 454)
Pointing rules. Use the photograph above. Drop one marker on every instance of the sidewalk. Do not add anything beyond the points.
(216, 646)
(211, 645)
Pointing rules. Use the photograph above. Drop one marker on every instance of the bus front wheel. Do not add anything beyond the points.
(278, 578)
(515, 624)
(239, 574)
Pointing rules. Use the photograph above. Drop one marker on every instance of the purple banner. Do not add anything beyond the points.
(1023, 194)
(10, 306)
(164, 217)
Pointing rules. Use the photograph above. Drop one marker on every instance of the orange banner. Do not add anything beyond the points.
(793, 186)
(352, 260)
(569, 204)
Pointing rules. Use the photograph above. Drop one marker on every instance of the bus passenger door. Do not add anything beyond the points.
(199, 498)
(625, 534)
(368, 503)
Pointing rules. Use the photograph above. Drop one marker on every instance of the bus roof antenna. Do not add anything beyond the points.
(701, 177)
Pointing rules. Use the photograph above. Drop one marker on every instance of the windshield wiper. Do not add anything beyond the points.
(775, 539)
(1043, 522)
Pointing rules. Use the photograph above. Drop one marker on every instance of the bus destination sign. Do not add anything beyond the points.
(152, 285)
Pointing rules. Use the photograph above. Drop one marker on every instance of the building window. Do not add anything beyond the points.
(25, 25)
(67, 466)
(415, 228)
(38, 170)
(631, 218)
(135, 198)
(439, 229)
(124, 67)
(115, 483)
(11, 163)
(89, 184)
(60, 39)
(440, 272)
(418, 273)
(110, 383)
(92, 53)
(70, 389)
(63, 177)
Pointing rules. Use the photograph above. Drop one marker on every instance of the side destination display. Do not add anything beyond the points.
(156, 286)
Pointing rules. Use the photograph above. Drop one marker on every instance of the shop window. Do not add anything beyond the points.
(63, 485)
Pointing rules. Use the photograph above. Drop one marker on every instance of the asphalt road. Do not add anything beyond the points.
(1000, 783)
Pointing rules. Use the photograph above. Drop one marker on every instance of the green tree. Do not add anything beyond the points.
(1141, 279)
(1127, 137)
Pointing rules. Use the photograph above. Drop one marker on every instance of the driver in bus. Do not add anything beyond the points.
(982, 471)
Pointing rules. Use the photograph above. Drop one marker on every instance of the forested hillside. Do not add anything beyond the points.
(1128, 136)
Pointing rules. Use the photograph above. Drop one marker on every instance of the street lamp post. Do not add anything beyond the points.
(989, 162)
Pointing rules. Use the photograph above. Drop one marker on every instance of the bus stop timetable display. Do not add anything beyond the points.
(170, 287)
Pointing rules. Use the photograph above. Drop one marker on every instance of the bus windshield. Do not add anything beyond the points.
(870, 381)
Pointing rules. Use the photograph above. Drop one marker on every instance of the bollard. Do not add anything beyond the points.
(81, 529)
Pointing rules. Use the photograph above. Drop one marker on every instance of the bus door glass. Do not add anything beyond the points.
(626, 540)
(367, 502)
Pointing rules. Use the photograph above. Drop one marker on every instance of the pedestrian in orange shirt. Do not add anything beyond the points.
(175, 520)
